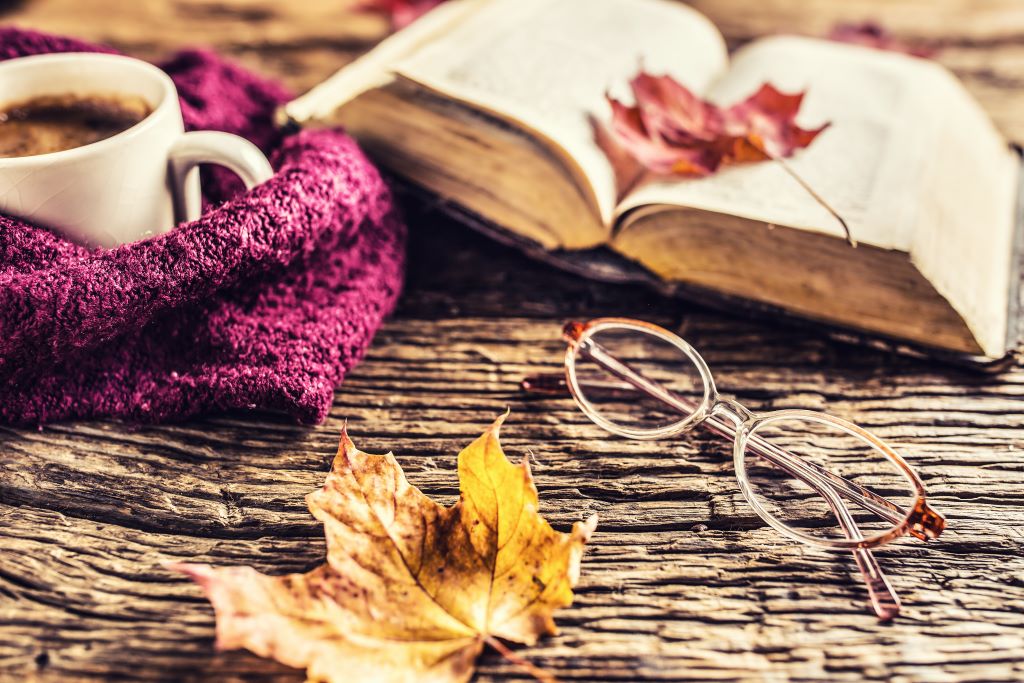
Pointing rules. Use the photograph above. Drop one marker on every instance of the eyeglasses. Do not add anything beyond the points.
(812, 477)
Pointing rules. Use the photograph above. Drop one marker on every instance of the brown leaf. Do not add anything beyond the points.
(411, 590)
(672, 130)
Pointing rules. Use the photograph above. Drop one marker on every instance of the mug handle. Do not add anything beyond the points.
(212, 147)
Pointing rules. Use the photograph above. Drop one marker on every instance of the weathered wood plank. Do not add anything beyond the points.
(682, 581)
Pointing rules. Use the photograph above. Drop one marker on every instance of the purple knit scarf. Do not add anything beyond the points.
(263, 303)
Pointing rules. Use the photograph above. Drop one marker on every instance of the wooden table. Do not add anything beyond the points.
(681, 581)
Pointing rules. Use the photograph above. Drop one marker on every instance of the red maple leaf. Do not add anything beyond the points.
(672, 130)
(873, 34)
(400, 12)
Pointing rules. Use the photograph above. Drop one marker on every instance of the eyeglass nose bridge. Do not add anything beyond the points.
(729, 408)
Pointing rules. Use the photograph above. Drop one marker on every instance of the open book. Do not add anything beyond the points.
(496, 105)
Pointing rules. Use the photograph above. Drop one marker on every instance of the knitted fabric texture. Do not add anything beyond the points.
(263, 303)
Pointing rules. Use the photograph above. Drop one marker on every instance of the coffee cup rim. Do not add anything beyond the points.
(168, 96)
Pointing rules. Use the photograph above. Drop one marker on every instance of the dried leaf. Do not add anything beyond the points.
(401, 13)
(411, 590)
(766, 120)
(873, 34)
(672, 130)
(669, 130)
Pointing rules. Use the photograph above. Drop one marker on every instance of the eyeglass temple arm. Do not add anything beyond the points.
(884, 601)
(792, 464)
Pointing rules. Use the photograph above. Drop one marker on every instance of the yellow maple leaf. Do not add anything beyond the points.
(410, 590)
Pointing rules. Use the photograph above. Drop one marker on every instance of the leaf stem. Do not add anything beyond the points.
(532, 669)
(817, 197)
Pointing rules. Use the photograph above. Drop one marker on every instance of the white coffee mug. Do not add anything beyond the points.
(135, 184)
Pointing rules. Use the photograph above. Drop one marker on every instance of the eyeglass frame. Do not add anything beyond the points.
(920, 520)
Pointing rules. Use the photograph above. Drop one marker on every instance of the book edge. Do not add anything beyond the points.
(605, 265)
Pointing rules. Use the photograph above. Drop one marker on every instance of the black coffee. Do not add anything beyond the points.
(53, 123)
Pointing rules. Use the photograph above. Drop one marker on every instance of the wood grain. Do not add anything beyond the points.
(682, 581)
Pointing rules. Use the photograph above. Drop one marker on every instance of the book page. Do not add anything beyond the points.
(547, 64)
(375, 69)
(966, 223)
(910, 161)
(867, 165)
